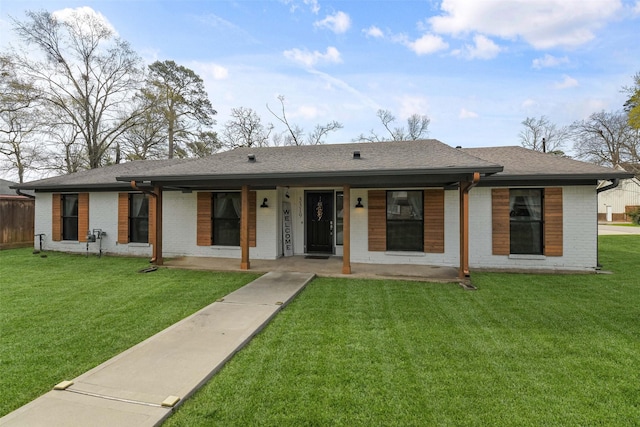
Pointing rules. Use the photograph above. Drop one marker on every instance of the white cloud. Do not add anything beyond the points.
(542, 23)
(466, 114)
(338, 23)
(528, 103)
(411, 104)
(636, 8)
(209, 70)
(313, 5)
(374, 32)
(309, 59)
(427, 44)
(482, 48)
(87, 14)
(566, 83)
(549, 61)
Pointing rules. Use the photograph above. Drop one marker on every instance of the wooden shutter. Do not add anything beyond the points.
(500, 221)
(553, 221)
(83, 216)
(56, 217)
(203, 227)
(153, 217)
(434, 221)
(123, 218)
(377, 217)
(252, 218)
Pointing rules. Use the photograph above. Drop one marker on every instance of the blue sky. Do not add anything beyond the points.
(476, 68)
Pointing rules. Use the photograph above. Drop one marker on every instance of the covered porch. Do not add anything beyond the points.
(330, 266)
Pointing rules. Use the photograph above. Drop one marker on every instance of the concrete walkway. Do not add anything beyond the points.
(143, 385)
(609, 229)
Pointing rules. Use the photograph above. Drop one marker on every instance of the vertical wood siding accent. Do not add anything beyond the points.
(203, 233)
(83, 216)
(56, 217)
(500, 221)
(153, 218)
(123, 218)
(434, 221)
(553, 234)
(252, 218)
(377, 217)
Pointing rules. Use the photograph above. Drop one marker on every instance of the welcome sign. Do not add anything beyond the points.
(287, 229)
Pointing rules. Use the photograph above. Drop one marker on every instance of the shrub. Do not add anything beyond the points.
(635, 216)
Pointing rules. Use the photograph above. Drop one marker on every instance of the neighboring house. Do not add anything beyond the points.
(16, 217)
(419, 202)
(615, 204)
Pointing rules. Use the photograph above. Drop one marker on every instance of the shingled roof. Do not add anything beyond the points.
(407, 163)
(325, 164)
(521, 164)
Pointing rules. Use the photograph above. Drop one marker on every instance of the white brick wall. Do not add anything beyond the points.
(103, 214)
(360, 241)
(179, 230)
(580, 233)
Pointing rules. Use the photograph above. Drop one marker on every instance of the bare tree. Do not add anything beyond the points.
(540, 134)
(245, 129)
(205, 144)
(605, 138)
(19, 120)
(88, 74)
(147, 139)
(294, 134)
(179, 95)
(417, 128)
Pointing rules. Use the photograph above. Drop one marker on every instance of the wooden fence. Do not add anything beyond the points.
(16, 222)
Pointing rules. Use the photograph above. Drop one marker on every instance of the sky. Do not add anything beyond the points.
(476, 68)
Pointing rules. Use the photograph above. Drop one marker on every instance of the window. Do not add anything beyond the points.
(405, 224)
(525, 221)
(226, 219)
(339, 217)
(138, 218)
(69, 217)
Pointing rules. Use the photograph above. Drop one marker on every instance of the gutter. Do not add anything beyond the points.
(20, 193)
(614, 183)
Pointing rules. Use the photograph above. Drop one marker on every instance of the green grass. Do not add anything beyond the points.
(62, 315)
(522, 350)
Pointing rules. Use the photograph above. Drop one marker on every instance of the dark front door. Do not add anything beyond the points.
(319, 221)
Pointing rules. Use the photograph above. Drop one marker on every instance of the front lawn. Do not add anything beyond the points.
(522, 350)
(64, 314)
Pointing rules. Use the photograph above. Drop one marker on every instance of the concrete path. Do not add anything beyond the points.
(605, 229)
(143, 385)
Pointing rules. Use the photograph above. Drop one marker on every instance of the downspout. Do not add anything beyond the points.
(465, 187)
(614, 183)
(154, 256)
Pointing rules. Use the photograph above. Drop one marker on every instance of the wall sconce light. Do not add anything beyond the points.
(264, 203)
(359, 204)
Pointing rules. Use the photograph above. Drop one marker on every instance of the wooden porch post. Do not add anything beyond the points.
(157, 246)
(465, 186)
(346, 229)
(244, 229)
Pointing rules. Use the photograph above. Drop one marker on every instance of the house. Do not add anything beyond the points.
(615, 202)
(16, 217)
(420, 202)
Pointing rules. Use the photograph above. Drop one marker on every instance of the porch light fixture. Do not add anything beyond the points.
(359, 204)
(264, 203)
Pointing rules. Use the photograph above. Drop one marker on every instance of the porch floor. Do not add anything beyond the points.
(331, 267)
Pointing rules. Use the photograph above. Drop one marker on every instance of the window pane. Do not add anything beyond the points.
(405, 236)
(70, 228)
(526, 221)
(226, 219)
(226, 232)
(69, 217)
(138, 218)
(339, 217)
(405, 230)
